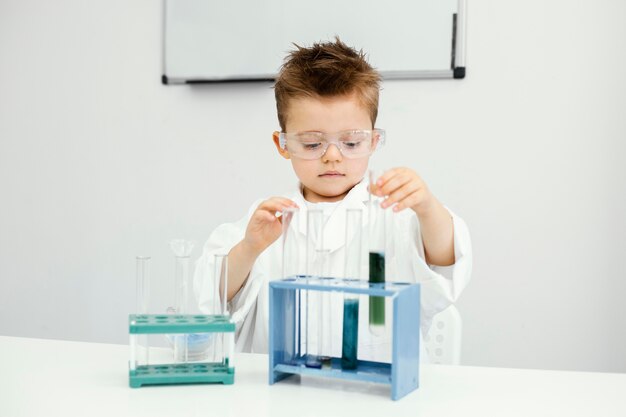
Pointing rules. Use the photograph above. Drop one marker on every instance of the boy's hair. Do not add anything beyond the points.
(326, 69)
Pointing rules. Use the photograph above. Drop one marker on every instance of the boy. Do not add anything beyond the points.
(327, 103)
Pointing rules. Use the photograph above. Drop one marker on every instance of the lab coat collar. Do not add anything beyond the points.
(334, 229)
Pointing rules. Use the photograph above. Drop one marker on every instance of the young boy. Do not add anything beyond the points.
(327, 103)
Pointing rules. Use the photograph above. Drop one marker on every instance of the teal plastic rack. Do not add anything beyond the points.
(179, 373)
(179, 323)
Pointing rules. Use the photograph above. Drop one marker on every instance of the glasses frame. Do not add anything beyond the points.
(283, 136)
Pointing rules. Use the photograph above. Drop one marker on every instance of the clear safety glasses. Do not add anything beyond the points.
(313, 145)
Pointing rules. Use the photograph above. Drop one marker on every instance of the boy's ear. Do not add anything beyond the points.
(283, 152)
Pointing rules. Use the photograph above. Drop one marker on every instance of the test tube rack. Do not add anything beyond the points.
(286, 358)
(180, 373)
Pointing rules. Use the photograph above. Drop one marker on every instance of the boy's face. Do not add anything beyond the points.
(330, 177)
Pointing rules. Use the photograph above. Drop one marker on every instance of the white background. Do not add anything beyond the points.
(99, 162)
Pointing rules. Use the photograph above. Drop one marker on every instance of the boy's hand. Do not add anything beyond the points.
(264, 227)
(404, 188)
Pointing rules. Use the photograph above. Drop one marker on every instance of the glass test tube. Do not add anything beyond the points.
(182, 305)
(291, 250)
(220, 307)
(352, 270)
(221, 273)
(324, 333)
(291, 268)
(376, 260)
(142, 275)
(314, 248)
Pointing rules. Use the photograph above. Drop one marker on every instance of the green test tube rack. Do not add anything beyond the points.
(185, 372)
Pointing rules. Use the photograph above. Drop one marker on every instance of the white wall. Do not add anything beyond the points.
(99, 162)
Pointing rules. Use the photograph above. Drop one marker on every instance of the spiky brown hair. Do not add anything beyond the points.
(326, 69)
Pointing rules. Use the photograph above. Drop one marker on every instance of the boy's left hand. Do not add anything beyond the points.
(404, 188)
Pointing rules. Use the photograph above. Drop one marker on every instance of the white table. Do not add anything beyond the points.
(59, 378)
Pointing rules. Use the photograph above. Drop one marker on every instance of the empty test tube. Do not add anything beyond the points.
(292, 268)
(182, 304)
(291, 249)
(220, 306)
(314, 248)
(221, 273)
(324, 331)
(142, 275)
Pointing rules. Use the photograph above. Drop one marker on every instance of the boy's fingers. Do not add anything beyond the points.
(394, 183)
(386, 176)
(276, 204)
(409, 201)
(285, 201)
(399, 195)
(263, 216)
(270, 217)
(267, 220)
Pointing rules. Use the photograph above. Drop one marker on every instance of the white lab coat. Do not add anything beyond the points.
(405, 261)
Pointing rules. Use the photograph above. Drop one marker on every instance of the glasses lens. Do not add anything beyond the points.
(356, 143)
(306, 145)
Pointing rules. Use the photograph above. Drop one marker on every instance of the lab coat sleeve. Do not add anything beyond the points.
(221, 241)
(441, 286)
(459, 273)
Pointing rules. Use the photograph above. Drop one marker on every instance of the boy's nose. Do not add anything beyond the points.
(332, 154)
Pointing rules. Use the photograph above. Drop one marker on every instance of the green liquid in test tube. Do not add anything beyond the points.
(377, 232)
(377, 276)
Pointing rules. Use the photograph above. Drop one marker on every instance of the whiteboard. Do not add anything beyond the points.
(217, 41)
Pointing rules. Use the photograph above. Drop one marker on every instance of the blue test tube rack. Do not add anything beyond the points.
(286, 357)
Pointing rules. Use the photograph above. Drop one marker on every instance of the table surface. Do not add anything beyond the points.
(60, 378)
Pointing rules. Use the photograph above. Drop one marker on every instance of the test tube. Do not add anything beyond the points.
(182, 304)
(315, 240)
(291, 250)
(352, 270)
(324, 330)
(314, 247)
(181, 280)
(142, 274)
(291, 268)
(376, 262)
(219, 349)
(221, 274)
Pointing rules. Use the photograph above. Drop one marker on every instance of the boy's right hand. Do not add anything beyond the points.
(264, 227)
